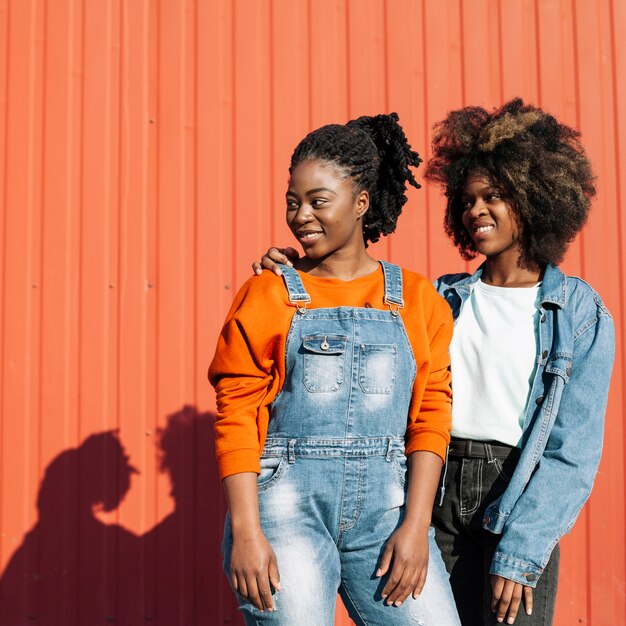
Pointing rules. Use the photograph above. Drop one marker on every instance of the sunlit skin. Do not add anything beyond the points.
(491, 223)
(326, 217)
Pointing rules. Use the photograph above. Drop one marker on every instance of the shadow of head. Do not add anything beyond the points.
(98, 472)
(186, 453)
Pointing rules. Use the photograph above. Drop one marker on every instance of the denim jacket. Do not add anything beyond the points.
(563, 426)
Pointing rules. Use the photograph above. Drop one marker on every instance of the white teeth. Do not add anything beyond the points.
(484, 229)
(308, 235)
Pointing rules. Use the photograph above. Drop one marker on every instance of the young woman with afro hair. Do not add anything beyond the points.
(531, 358)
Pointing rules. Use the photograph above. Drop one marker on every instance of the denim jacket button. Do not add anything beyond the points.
(487, 520)
(544, 354)
(529, 577)
(568, 371)
(542, 319)
(539, 400)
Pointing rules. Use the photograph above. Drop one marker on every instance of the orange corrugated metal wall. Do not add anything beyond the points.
(143, 158)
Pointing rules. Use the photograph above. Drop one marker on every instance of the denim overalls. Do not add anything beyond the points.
(332, 482)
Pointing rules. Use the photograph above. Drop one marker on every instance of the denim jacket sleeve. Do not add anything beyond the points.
(561, 480)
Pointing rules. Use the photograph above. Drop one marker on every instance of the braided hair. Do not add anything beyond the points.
(537, 163)
(375, 154)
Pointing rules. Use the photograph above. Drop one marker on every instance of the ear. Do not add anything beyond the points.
(362, 203)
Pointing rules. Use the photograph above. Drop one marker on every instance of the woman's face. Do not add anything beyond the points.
(489, 218)
(323, 212)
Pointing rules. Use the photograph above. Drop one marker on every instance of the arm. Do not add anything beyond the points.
(405, 556)
(406, 551)
(253, 566)
(247, 371)
(246, 378)
(571, 457)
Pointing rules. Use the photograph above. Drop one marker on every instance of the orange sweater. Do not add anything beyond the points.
(248, 368)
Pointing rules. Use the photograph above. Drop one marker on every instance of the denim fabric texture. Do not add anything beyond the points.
(563, 429)
(332, 483)
(468, 549)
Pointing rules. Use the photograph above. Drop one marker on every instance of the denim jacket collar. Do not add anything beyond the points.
(553, 285)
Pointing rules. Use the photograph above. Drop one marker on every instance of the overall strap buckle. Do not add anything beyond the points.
(295, 288)
(393, 287)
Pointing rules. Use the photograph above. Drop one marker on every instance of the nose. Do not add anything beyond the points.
(304, 214)
(477, 208)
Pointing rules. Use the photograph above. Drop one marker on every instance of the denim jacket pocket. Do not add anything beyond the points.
(271, 470)
(377, 367)
(324, 362)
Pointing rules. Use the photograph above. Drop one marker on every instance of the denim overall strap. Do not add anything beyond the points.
(295, 287)
(393, 284)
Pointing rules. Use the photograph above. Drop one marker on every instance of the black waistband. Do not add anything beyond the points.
(481, 450)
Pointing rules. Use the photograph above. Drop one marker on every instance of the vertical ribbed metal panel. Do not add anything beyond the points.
(144, 147)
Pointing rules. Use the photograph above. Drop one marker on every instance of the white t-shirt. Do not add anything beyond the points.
(493, 354)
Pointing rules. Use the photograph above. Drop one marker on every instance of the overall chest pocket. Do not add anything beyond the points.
(324, 362)
(377, 367)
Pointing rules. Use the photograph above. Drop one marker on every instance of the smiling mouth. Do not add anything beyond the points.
(309, 235)
(480, 230)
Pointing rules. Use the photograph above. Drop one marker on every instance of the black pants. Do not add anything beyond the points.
(472, 483)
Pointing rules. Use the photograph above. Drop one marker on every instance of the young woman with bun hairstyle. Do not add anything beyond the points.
(531, 358)
(334, 403)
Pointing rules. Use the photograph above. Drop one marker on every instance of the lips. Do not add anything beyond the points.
(482, 229)
(308, 236)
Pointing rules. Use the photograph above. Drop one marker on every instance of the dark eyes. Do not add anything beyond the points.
(494, 196)
(316, 203)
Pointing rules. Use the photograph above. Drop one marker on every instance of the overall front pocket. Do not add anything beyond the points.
(324, 362)
(272, 469)
(377, 367)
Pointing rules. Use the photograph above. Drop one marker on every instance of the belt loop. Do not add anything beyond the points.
(291, 452)
(468, 448)
(388, 454)
(489, 453)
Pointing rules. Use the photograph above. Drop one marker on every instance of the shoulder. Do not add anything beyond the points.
(446, 281)
(583, 297)
(419, 291)
(266, 290)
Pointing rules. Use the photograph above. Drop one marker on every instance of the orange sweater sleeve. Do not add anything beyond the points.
(429, 324)
(247, 371)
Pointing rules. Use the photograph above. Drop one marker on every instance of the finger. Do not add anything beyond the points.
(234, 581)
(256, 268)
(268, 264)
(274, 574)
(253, 594)
(505, 601)
(385, 561)
(516, 598)
(241, 587)
(265, 592)
(407, 583)
(421, 581)
(528, 600)
(278, 255)
(292, 254)
(392, 589)
(497, 584)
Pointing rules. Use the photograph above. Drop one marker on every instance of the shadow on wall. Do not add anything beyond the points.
(73, 570)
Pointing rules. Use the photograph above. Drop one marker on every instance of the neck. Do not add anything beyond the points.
(339, 265)
(506, 272)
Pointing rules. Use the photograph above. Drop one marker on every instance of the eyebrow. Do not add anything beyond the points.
(312, 191)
